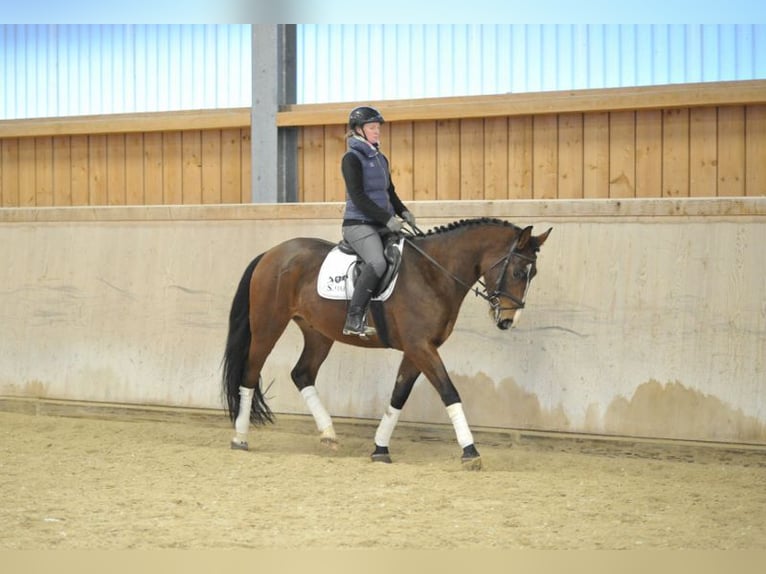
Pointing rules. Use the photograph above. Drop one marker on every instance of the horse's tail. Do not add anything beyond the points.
(235, 356)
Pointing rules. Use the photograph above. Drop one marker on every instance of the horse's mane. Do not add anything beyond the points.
(468, 223)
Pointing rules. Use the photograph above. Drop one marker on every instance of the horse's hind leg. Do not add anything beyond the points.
(405, 380)
(315, 349)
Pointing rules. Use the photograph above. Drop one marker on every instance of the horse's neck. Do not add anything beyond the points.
(462, 254)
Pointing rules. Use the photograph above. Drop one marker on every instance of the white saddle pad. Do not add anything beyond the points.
(335, 276)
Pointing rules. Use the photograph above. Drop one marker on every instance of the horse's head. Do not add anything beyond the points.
(508, 280)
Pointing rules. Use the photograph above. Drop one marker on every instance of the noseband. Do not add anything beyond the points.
(493, 298)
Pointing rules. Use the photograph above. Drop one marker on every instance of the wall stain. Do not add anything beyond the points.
(678, 412)
(490, 404)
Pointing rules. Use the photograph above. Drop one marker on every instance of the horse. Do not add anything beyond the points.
(437, 270)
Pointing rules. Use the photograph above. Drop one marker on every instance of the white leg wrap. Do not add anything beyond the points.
(457, 416)
(386, 426)
(321, 416)
(242, 423)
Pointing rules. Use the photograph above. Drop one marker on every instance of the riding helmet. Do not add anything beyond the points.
(363, 115)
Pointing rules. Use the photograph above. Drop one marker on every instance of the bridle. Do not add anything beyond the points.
(493, 298)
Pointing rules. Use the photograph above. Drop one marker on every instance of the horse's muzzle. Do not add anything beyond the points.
(505, 324)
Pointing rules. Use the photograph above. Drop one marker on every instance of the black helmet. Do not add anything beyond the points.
(363, 115)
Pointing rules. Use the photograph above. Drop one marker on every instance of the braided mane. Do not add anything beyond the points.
(468, 223)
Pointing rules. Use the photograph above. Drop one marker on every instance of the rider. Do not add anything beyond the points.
(371, 209)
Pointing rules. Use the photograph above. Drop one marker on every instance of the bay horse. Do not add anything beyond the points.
(438, 269)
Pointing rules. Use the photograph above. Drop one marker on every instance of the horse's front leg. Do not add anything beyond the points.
(433, 368)
(405, 380)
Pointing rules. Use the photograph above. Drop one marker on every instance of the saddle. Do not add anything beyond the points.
(340, 269)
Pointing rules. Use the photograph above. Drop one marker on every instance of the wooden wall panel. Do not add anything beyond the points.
(134, 169)
(520, 166)
(459, 148)
(402, 159)
(648, 153)
(424, 160)
(44, 171)
(334, 148)
(448, 159)
(675, 152)
(545, 153)
(755, 150)
(570, 172)
(596, 155)
(622, 154)
(62, 170)
(79, 146)
(9, 172)
(703, 157)
(731, 151)
(115, 165)
(496, 158)
(471, 159)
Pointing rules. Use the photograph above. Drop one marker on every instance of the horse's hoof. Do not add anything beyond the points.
(471, 459)
(380, 454)
(239, 444)
(471, 463)
(328, 442)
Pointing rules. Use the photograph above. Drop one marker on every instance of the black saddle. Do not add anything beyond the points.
(392, 255)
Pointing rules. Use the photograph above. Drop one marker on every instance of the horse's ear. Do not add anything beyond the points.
(542, 237)
(524, 236)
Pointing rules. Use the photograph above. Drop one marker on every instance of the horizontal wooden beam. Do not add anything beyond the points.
(574, 101)
(127, 123)
(296, 115)
(730, 208)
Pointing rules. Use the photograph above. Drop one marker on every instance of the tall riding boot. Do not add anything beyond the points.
(360, 300)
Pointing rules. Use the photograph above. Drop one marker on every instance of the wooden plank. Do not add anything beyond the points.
(134, 169)
(472, 159)
(448, 159)
(246, 161)
(116, 168)
(211, 166)
(402, 159)
(232, 189)
(172, 168)
(703, 152)
(546, 157)
(334, 148)
(153, 168)
(496, 158)
(622, 154)
(127, 123)
(424, 161)
(80, 157)
(191, 170)
(649, 153)
(570, 152)
(675, 153)
(520, 157)
(62, 170)
(596, 155)
(731, 151)
(97, 170)
(44, 171)
(755, 150)
(9, 173)
(27, 173)
(313, 164)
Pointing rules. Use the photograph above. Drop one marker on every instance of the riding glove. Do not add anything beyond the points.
(409, 218)
(394, 225)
